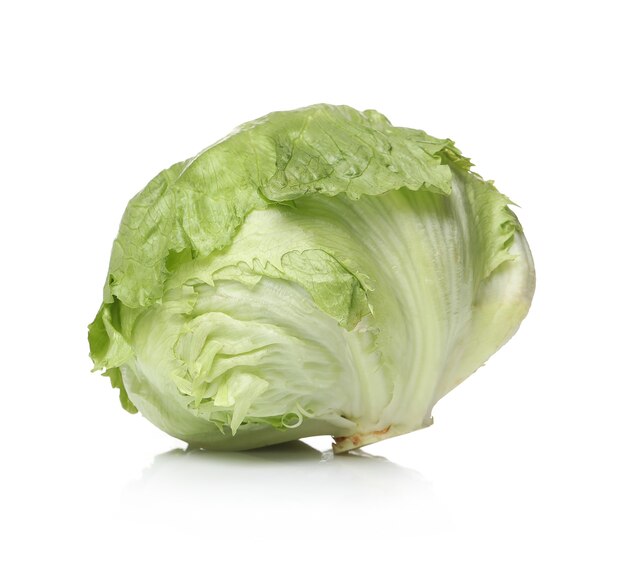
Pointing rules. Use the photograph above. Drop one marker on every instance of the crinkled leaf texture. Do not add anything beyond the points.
(318, 271)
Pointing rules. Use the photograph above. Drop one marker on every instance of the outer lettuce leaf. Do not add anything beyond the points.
(199, 204)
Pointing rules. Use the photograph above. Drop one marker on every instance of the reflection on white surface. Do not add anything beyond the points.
(290, 489)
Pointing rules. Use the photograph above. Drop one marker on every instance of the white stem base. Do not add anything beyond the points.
(360, 439)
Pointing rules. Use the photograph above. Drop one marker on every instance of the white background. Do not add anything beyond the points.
(525, 462)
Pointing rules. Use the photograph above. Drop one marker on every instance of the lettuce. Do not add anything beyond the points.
(318, 271)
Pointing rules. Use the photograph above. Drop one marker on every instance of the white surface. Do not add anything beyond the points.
(525, 462)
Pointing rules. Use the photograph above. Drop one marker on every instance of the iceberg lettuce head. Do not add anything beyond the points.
(318, 271)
